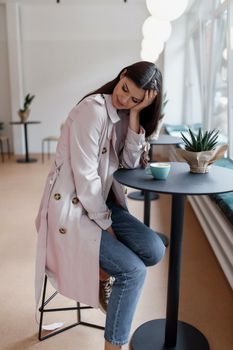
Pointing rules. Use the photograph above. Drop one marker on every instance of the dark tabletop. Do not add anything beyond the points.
(166, 140)
(179, 180)
(27, 122)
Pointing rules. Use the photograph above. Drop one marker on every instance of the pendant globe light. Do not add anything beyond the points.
(155, 33)
(156, 29)
(166, 9)
(152, 44)
(149, 56)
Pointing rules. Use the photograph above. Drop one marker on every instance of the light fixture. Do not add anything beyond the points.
(151, 49)
(152, 45)
(166, 9)
(149, 56)
(58, 1)
(224, 54)
(156, 29)
(155, 33)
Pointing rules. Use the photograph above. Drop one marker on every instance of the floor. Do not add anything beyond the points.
(206, 299)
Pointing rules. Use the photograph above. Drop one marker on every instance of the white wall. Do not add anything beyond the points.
(65, 50)
(68, 50)
(5, 111)
(174, 72)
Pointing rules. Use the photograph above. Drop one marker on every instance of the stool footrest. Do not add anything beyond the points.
(68, 327)
(66, 308)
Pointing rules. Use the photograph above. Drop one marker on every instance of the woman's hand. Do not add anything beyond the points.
(149, 97)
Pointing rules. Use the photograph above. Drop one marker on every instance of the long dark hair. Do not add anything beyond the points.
(147, 76)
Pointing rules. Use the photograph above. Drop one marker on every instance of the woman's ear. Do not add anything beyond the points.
(123, 73)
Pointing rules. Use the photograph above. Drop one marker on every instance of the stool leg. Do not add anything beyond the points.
(1, 145)
(8, 149)
(78, 313)
(48, 149)
(42, 145)
(42, 307)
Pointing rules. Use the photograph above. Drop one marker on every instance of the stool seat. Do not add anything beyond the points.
(51, 138)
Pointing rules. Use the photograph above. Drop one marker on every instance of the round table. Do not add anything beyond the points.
(170, 333)
(148, 196)
(25, 124)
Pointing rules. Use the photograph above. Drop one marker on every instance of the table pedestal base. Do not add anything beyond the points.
(151, 335)
(139, 196)
(30, 160)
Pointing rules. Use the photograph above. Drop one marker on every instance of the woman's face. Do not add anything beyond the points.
(126, 94)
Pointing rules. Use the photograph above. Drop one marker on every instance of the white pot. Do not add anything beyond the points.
(24, 115)
(200, 162)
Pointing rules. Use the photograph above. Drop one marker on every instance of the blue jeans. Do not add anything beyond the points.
(126, 258)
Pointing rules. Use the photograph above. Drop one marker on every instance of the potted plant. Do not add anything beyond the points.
(201, 150)
(25, 111)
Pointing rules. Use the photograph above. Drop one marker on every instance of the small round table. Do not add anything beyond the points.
(166, 140)
(170, 333)
(25, 124)
(145, 195)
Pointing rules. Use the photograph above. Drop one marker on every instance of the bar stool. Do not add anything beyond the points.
(78, 308)
(5, 138)
(48, 139)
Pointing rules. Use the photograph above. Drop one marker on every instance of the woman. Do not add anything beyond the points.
(84, 228)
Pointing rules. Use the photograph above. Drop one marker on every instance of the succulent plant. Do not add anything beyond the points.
(201, 141)
(27, 101)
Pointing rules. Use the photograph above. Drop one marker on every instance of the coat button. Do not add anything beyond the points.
(62, 230)
(104, 150)
(57, 196)
(75, 200)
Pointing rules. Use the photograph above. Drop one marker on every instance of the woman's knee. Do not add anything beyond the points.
(138, 275)
(135, 271)
(141, 270)
(155, 250)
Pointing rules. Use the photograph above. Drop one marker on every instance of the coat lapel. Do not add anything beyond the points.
(114, 118)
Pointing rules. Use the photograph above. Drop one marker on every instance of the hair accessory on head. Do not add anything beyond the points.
(154, 84)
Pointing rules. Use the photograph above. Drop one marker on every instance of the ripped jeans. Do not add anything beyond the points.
(136, 247)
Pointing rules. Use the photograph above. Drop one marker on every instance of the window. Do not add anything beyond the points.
(208, 94)
(219, 117)
(219, 2)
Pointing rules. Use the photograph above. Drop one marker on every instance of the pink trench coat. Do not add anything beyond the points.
(73, 211)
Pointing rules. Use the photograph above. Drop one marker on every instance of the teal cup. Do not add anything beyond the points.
(159, 170)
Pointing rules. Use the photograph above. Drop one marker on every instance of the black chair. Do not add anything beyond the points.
(78, 309)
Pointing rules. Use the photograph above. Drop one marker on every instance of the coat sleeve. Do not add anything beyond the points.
(88, 123)
(133, 148)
